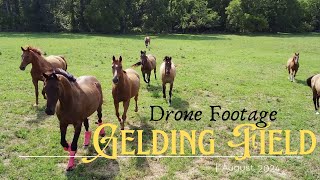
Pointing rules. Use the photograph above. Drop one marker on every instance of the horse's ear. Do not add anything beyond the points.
(141, 52)
(170, 58)
(22, 49)
(55, 76)
(145, 52)
(113, 58)
(120, 59)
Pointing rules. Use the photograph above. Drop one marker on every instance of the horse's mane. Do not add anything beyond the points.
(64, 73)
(36, 50)
(309, 81)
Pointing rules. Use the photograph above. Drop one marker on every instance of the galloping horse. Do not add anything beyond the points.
(293, 66)
(125, 85)
(73, 100)
(168, 73)
(148, 63)
(40, 65)
(314, 83)
(147, 41)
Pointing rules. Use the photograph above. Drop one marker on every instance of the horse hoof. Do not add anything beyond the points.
(70, 168)
(67, 149)
(136, 110)
(35, 105)
(317, 113)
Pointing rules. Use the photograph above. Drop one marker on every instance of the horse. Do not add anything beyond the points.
(314, 83)
(168, 74)
(148, 63)
(293, 66)
(40, 65)
(147, 41)
(126, 84)
(73, 100)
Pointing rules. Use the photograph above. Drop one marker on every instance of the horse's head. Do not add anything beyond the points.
(116, 69)
(143, 57)
(167, 60)
(25, 58)
(296, 57)
(52, 91)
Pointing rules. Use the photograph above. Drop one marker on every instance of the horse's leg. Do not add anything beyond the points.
(295, 73)
(164, 90)
(136, 99)
(144, 77)
(293, 76)
(87, 134)
(74, 146)
(116, 107)
(155, 73)
(99, 110)
(149, 74)
(170, 93)
(318, 102)
(315, 97)
(124, 115)
(36, 91)
(63, 141)
(43, 92)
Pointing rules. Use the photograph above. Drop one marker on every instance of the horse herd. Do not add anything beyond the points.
(313, 82)
(73, 100)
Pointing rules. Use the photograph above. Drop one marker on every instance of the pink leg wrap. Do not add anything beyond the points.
(102, 133)
(87, 138)
(67, 149)
(71, 161)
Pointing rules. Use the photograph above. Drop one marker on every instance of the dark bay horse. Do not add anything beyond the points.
(314, 83)
(148, 63)
(293, 66)
(40, 65)
(147, 41)
(125, 86)
(168, 74)
(73, 100)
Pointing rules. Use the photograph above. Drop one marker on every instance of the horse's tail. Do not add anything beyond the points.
(64, 61)
(309, 81)
(136, 64)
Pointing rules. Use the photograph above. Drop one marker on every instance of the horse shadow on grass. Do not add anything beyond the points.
(179, 103)
(141, 163)
(155, 90)
(101, 168)
(41, 116)
(302, 82)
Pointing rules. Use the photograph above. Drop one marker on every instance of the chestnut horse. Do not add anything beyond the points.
(73, 100)
(293, 66)
(147, 41)
(314, 83)
(40, 65)
(126, 85)
(148, 63)
(168, 73)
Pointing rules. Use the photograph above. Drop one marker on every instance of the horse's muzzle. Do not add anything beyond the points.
(49, 111)
(115, 80)
(22, 68)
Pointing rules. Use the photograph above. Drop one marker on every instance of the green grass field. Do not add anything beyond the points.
(232, 71)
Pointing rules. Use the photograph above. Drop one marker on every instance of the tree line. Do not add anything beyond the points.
(160, 16)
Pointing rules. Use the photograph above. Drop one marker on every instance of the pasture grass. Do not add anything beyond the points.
(233, 71)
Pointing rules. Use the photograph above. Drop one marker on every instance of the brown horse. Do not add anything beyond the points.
(126, 85)
(293, 66)
(314, 83)
(73, 100)
(148, 63)
(40, 65)
(168, 73)
(147, 41)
